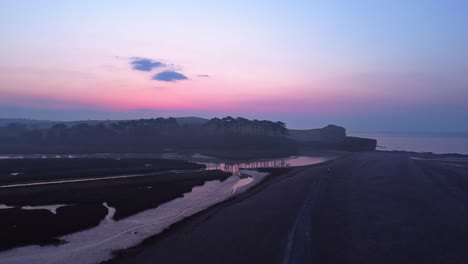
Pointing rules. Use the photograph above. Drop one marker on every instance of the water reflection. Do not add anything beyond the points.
(241, 183)
(295, 161)
(212, 164)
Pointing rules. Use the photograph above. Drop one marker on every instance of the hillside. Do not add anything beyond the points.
(191, 120)
(331, 137)
(227, 135)
(328, 133)
(33, 123)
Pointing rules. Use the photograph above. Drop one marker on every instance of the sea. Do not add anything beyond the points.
(419, 142)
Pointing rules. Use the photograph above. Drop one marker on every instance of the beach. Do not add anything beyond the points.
(376, 207)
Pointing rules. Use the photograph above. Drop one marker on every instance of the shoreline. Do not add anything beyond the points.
(194, 155)
(152, 224)
(276, 174)
(173, 228)
(379, 195)
(279, 175)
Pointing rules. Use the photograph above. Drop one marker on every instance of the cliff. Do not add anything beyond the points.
(330, 133)
(331, 137)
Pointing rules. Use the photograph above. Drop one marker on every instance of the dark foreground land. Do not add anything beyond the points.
(84, 200)
(14, 171)
(364, 208)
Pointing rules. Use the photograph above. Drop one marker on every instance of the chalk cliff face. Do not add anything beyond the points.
(331, 136)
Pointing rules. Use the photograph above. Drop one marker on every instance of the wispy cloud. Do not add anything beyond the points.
(169, 76)
(204, 76)
(145, 64)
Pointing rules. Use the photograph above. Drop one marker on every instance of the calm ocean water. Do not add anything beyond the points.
(420, 143)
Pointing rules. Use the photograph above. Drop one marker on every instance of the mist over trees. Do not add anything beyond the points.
(242, 126)
(144, 135)
(261, 138)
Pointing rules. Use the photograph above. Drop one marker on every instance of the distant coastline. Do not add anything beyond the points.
(437, 143)
(228, 137)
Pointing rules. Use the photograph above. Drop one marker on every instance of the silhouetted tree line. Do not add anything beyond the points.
(144, 135)
(243, 126)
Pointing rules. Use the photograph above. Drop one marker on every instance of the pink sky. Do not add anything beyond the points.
(306, 63)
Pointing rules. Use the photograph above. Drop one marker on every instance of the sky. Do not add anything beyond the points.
(367, 65)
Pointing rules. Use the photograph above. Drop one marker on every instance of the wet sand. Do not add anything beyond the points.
(85, 204)
(363, 208)
(96, 244)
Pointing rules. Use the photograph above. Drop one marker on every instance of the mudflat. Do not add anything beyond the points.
(81, 202)
(363, 208)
